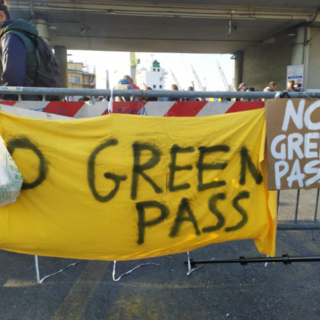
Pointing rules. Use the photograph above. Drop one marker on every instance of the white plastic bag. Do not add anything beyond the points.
(10, 177)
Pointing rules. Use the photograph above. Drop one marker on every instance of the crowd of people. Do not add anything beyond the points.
(291, 87)
(272, 87)
(127, 84)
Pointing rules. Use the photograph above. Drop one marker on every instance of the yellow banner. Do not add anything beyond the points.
(122, 187)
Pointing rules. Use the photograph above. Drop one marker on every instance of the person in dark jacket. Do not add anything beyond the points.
(174, 87)
(150, 98)
(298, 87)
(193, 98)
(19, 61)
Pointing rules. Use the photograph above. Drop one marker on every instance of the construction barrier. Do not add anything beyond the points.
(155, 109)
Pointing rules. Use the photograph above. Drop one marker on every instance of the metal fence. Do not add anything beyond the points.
(288, 220)
(22, 91)
(297, 219)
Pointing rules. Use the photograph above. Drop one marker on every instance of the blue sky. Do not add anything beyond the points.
(118, 64)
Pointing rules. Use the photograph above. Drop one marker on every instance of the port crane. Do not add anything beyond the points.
(175, 79)
(224, 79)
(134, 61)
(202, 88)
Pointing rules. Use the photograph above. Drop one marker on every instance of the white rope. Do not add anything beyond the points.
(53, 274)
(189, 266)
(135, 268)
(282, 94)
(278, 94)
(60, 271)
(110, 107)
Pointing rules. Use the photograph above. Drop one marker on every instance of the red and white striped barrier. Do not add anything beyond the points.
(155, 109)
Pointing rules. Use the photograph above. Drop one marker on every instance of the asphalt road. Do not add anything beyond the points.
(215, 292)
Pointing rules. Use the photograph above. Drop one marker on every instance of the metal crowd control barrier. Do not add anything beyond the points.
(289, 225)
(294, 224)
(20, 91)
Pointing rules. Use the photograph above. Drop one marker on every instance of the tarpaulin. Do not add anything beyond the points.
(122, 187)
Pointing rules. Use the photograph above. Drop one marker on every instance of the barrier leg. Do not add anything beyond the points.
(37, 269)
(39, 280)
(266, 264)
(190, 270)
(135, 268)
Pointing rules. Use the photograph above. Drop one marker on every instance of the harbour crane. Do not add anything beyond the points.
(224, 79)
(175, 79)
(134, 61)
(198, 80)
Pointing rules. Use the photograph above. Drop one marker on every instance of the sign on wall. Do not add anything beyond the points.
(293, 140)
(295, 73)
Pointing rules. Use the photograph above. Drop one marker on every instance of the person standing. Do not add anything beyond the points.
(133, 85)
(244, 88)
(95, 99)
(191, 98)
(148, 99)
(18, 53)
(123, 84)
(174, 87)
(272, 87)
(298, 87)
(290, 86)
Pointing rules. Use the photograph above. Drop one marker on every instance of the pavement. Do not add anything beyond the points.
(164, 291)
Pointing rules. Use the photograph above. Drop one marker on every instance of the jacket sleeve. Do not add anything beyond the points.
(14, 57)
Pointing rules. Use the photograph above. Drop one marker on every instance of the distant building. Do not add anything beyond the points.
(81, 76)
(153, 76)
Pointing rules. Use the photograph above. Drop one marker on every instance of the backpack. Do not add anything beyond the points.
(48, 71)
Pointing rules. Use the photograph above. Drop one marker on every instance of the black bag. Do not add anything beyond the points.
(48, 71)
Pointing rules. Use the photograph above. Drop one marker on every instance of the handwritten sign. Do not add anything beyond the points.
(293, 133)
(122, 187)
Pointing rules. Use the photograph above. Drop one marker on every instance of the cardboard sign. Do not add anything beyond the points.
(293, 133)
